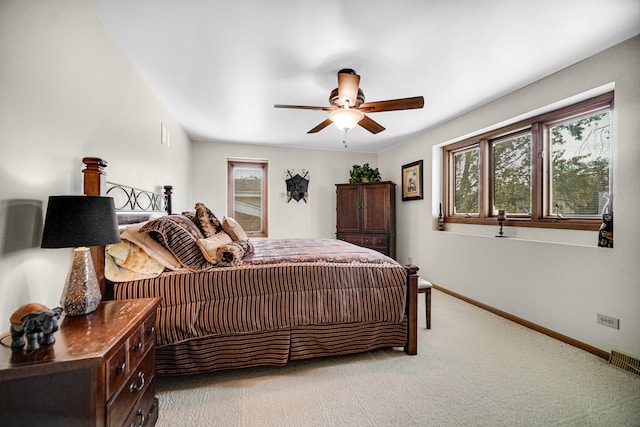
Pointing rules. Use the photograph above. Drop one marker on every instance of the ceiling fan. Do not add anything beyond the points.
(348, 107)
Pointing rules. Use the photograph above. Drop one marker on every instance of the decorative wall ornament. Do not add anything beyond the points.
(605, 234)
(297, 185)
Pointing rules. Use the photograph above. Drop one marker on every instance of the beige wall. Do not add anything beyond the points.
(68, 91)
(559, 280)
(316, 218)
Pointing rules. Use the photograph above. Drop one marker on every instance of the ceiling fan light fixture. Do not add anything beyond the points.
(346, 118)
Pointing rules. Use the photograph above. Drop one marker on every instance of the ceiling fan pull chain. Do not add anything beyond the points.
(344, 140)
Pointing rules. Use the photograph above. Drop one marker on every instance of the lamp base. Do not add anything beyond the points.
(81, 294)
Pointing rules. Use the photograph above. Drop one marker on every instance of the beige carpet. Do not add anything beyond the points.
(473, 369)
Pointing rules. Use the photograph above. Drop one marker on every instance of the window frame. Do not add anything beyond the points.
(257, 164)
(541, 216)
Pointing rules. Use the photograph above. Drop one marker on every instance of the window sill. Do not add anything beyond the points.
(562, 224)
(581, 238)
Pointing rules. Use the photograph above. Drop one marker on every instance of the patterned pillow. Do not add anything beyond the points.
(231, 254)
(179, 235)
(192, 216)
(233, 229)
(209, 224)
(209, 245)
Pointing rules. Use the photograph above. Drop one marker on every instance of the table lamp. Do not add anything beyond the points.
(78, 222)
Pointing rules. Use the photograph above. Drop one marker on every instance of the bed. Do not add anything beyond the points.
(282, 300)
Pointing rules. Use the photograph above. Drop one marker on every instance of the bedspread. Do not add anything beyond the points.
(284, 284)
(273, 251)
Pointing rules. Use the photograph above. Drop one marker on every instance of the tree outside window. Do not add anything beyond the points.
(580, 151)
(512, 175)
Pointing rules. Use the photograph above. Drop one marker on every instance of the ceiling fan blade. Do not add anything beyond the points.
(348, 82)
(321, 126)
(371, 125)
(304, 107)
(392, 105)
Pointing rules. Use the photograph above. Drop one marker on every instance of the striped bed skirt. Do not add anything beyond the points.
(274, 348)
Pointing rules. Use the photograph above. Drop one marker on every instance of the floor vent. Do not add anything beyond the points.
(625, 362)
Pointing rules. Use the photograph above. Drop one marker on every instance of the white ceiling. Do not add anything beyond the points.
(220, 66)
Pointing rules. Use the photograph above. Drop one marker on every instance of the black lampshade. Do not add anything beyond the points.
(75, 221)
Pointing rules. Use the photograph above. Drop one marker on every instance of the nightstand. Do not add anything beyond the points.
(99, 372)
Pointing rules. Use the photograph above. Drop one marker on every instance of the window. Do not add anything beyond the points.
(580, 165)
(511, 160)
(551, 171)
(247, 196)
(467, 181)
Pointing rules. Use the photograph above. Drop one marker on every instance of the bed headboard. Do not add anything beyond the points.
(136, 205)
(132, 205)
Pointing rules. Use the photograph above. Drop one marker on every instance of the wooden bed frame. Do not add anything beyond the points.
(95, 185)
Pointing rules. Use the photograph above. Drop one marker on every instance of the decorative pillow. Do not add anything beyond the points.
(179, 235)
(209, 224)
(234, 229)
(231, 254)
(210, 245)
(246, 245)
(192, 216)
(154, 249)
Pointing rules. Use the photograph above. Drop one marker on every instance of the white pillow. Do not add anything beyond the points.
(233, 229)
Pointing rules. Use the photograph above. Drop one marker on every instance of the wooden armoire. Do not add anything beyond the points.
(366, 215)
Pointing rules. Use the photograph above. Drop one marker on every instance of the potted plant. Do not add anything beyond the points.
(364, 173)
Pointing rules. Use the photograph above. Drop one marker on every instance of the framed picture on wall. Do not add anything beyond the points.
(412, 181)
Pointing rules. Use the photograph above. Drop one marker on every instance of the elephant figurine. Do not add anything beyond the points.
(35, 321)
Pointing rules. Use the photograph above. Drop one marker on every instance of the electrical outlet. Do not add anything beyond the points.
(608, 321)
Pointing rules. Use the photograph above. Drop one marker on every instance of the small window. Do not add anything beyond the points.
(467, 181)
(579, 166)
(511, 159)
(247, 204)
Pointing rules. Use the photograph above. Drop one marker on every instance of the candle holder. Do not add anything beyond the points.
(501, 218)
(440, 219)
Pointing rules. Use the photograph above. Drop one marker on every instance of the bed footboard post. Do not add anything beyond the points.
(94, 182)
(412, 309)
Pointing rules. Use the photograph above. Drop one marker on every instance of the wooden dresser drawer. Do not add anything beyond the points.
(145, 412)
(117, 370)
(375, 241)
(149, 332)
(356, 239)
(129, 355)
(136, 347)
(126, 400)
